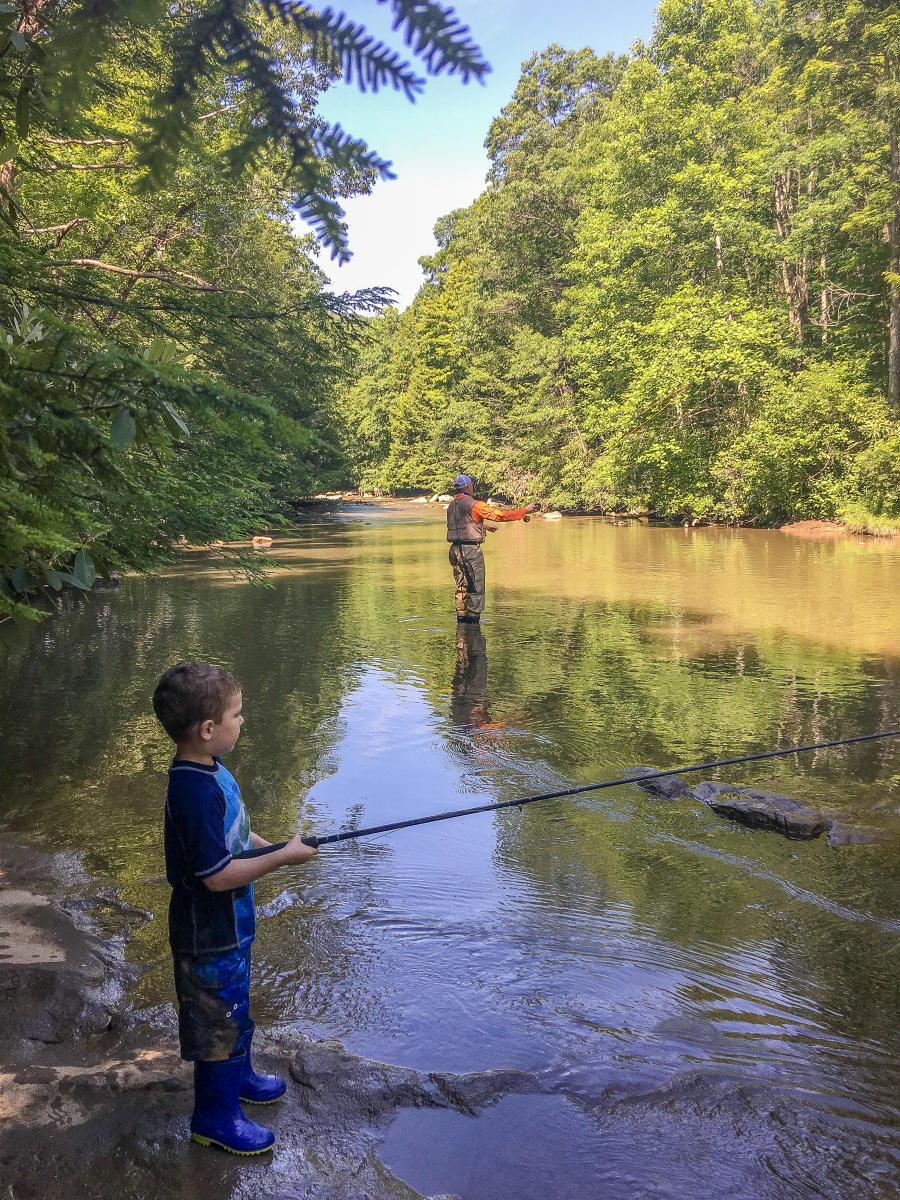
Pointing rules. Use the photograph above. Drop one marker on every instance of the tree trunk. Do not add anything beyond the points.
(793, 275)
(7, 174)
(720, 264)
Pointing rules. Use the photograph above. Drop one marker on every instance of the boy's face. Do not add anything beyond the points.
(223, 735)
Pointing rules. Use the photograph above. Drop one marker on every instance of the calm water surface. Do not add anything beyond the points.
(713, 1010)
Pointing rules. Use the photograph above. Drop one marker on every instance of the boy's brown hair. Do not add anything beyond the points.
(191, 692)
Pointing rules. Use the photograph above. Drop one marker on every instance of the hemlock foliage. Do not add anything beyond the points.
(680, 290)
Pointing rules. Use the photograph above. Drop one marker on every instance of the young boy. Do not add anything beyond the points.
(212, 859)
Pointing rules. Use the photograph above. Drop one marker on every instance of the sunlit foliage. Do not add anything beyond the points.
(680, 291)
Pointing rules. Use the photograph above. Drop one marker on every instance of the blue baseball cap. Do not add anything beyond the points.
(461, 482)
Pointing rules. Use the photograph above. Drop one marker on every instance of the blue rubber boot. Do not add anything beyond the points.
(257, 1089)
(217, 1119)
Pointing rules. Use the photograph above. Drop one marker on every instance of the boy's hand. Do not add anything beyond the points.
(297, 851)
(492, 528)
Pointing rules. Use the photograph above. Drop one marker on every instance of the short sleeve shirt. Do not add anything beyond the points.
(206, 825)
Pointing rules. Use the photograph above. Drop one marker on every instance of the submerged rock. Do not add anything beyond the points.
(335, 1083)
(671, 787)
(475, 1091)
(344, 1085)
(840, 834)
(759, 809)
(762, 810)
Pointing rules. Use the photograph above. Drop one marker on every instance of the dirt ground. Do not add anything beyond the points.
(816, 529)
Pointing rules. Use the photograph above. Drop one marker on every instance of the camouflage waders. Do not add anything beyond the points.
(467, 561)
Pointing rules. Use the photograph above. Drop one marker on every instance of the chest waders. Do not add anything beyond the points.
(465, 536)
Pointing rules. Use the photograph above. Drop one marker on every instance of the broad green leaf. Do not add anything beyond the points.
(54, 578)
(123, 429)
(84, 568)
(22, 109)
(161, 350)
(73, 581)
(173, 413)
(21, 580)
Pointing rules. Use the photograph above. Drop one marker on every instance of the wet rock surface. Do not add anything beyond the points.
(59, 979)
(762, 810)
(472, 1093)
(759, 809)
(670, 787)
(335, 1084)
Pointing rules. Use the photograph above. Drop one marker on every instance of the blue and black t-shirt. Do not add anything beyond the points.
(206, 825)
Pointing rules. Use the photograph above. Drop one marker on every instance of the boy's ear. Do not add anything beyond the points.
(205, 729)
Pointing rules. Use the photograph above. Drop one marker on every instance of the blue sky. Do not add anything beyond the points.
(436, 144)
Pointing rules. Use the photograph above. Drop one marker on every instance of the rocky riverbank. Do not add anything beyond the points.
(817, 530)
(95, 1100)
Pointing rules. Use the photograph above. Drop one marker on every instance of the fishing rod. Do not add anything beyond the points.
(350, 834)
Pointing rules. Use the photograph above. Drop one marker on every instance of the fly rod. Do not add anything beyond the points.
(349, 834)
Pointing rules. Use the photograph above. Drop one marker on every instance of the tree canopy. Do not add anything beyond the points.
(680, 290)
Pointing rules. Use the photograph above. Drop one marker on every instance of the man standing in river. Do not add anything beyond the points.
(466, 527)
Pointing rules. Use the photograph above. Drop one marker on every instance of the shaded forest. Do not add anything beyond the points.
(679, 292)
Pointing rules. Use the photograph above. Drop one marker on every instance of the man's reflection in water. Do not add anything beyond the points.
(469, 703)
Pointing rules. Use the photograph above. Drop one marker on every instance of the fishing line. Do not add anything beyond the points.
(349, 834)
(616, 439)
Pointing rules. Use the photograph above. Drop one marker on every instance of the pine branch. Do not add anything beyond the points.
(220, 33)
(341, 44)
(439, 38)
(318, 151)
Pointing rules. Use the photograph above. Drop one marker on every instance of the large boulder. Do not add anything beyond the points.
(762, 810)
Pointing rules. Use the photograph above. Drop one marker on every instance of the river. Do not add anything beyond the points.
(710, 1007)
